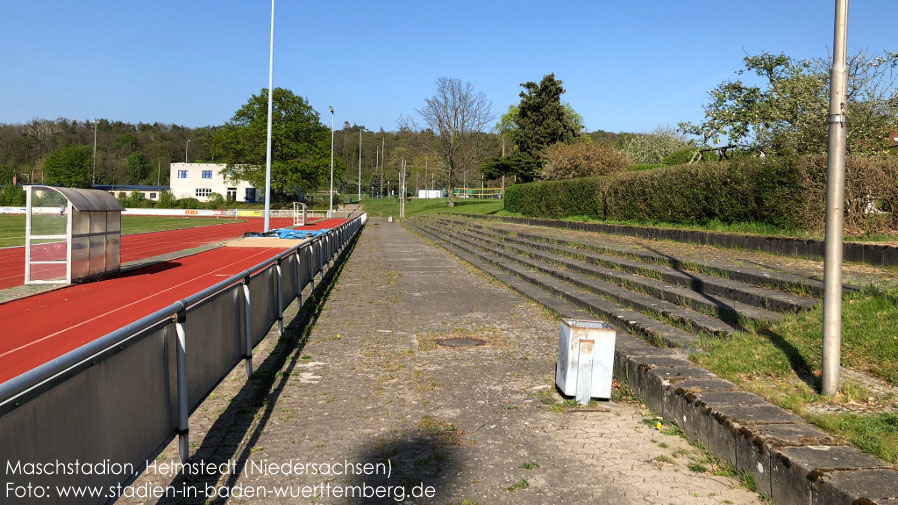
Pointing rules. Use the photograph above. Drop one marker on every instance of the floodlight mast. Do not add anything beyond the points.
(835, 207)
(268, 146)
(330, 211)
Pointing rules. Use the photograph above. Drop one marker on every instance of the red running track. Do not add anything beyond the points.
(145, 245)
(45, 326)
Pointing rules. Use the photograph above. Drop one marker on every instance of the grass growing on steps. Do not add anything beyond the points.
(781, 362)
(384, 207)
(715, 225)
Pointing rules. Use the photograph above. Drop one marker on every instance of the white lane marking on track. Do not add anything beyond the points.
(29, 344)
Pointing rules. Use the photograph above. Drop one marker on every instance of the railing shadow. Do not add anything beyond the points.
(722, 310)
(258, 396)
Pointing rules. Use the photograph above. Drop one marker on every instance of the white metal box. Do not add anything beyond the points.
(585, 359)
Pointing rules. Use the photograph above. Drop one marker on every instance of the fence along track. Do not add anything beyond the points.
(123, 397)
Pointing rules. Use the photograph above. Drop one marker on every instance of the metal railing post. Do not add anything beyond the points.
(183, 407)
(311, 265)
(247, 329)
(280, 298)
(298, 255)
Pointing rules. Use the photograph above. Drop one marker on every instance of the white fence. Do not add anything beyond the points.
(123, 397)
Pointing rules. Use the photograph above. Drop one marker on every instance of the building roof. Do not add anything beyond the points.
(132, 187)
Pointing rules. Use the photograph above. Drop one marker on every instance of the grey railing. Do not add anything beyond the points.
(120, 399)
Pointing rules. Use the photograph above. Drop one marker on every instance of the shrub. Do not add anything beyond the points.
(167, 200)
(566, 161)
(216, 201)
(12, 196)
(784, 191)
(188, 203)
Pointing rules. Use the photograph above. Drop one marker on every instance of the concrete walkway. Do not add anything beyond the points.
(372, 383)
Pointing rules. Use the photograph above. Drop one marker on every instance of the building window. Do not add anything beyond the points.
(207, 174)
(152, 196)
(182, 174)
(203, 192)
(232, 194)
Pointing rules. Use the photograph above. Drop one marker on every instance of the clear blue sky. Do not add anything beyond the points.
(627, 66)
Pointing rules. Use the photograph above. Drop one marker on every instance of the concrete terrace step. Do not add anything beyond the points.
(623, 318)
(744, 291)
(754, 276)
(732, 311)
(695, 321)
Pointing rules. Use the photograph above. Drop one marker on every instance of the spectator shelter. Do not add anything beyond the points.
(71, 234)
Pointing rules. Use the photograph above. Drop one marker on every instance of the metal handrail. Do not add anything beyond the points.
(14, 391)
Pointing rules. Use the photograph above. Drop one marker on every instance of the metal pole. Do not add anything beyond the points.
(360, 165)
(835, 207)
(183, 407)
(330, 211)
(280, 283)
(186, 150)
(268, 147)
(247, 329)
(93, 175)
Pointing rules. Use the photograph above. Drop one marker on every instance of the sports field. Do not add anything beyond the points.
(47, 325)
(12, 226)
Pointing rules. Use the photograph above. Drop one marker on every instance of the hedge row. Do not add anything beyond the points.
(783, 191)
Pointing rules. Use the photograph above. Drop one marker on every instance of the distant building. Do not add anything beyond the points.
(117, 190)
(199, 180)
(893, 141)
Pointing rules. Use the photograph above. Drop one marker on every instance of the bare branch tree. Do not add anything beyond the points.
(454, 118)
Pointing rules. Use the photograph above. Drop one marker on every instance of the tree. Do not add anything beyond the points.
(788, 112)
(542, 119)
(582, 159)
(69, 166)
(455, 117)
(300, 153)
(500, 167)
(137, 167)
(654, 146)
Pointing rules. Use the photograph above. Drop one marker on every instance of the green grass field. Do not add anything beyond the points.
(12, 226)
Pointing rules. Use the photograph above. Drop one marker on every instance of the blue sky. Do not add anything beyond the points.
(627, 66)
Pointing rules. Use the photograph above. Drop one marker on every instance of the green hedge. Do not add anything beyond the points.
(782, 191)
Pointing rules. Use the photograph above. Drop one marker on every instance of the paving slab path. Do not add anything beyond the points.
(374, 383)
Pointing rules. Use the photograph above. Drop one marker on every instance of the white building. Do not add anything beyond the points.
(199, 180)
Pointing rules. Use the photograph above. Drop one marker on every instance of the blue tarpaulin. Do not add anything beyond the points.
(291, 233)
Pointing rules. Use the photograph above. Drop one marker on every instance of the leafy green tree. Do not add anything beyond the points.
(300, 153)
(69, 166)
(500, 167)
(541, 119)
(788, 112)
(12, 195)
(137, 167)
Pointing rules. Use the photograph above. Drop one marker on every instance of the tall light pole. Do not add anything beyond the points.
(93, 175)
(330, 212)
(360, 164)
(186, 150)
(268, 140)
(835, 207)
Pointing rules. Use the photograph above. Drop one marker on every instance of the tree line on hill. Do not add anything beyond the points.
(456, 140)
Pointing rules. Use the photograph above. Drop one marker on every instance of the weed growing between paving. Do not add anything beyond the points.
(781, 362)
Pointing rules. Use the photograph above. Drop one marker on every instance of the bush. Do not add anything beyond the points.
(566, 161)
(167, 200)
(189, 203)
(785, 192)
(216, 201)
(12, 196)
